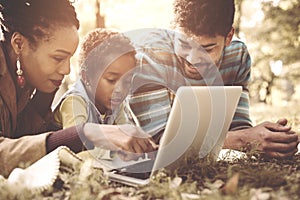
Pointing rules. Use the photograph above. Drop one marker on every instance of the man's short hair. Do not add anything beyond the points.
(205, 17)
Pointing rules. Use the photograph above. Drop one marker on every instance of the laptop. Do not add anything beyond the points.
(198, 123)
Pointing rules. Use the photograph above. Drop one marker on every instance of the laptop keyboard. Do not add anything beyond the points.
(140, 170)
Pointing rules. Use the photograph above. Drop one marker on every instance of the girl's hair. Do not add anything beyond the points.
(100, 47)
(35, 19)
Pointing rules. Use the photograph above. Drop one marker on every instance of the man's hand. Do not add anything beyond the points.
(274, 140)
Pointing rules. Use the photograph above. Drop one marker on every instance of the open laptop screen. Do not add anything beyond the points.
(199, 120)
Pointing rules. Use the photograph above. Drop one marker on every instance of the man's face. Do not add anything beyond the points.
(202, 52)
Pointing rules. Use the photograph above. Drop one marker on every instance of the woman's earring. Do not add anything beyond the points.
(84, 77)
(20, 77)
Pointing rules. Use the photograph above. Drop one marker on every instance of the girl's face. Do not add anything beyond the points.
(114, 83)
(46, 65)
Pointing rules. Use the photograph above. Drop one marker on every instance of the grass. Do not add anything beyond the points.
(240, 179)
(252, 178)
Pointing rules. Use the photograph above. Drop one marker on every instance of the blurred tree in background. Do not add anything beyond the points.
(100, 23)
(238, 16)
(275, 45)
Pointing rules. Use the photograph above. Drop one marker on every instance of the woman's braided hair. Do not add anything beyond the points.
(35, 18)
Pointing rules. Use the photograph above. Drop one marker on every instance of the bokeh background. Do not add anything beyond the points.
(270, 28)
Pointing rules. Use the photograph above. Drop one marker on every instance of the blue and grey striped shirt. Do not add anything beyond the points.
(160, 68)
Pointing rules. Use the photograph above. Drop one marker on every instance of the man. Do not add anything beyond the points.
(201, 52)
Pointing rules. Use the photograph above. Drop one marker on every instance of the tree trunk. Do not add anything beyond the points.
(100, 23)
(239, 14)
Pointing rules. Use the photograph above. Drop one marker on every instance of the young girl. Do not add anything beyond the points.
(107, 61)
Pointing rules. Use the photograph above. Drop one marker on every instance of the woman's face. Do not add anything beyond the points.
(46, 65)
(114, 83)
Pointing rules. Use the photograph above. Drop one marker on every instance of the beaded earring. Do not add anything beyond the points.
(20, 77)
(84, 76)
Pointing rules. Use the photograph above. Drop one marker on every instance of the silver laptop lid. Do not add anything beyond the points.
(197, 126)
(198, 123)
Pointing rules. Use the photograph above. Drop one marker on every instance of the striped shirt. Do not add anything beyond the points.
(159, 65)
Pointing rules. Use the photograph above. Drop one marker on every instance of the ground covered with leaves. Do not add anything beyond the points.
(248, 178)
(251, 177)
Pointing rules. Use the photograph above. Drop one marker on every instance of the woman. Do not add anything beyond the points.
(39, 38)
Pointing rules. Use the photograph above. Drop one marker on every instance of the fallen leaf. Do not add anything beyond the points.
(176, 182)
(231, 185)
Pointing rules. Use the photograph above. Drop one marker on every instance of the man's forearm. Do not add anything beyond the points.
(237, 140)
